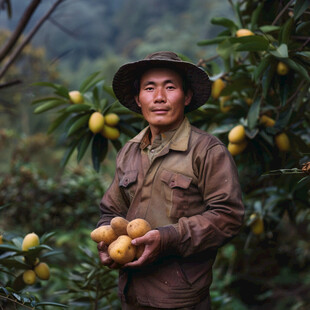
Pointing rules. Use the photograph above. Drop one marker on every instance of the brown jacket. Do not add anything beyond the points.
(191, 194)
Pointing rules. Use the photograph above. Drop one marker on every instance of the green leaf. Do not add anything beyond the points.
(109, 90)
(117, 144)
(280, 52)
(268, 28)
(264, 63)
(127, 129)
(225, 22)
(83, 145)
(250, 43)
(238, 85)
(49, 303)
(62, 91)
(9, 247)
(80, 122)
(224, 49)
(57, 122)
(286, 30)
(267, 78)
(255, 15)
(298, 68)
(47, 84)
(48, 106)
(78, 108)
(90, 82)
(213, 41)
(45, 99)
(284, 118)
(69, 152)
(253, 113)
(99, 150)
(300, 7)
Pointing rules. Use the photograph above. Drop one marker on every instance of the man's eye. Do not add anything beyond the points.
(149, 88)
(170, 87)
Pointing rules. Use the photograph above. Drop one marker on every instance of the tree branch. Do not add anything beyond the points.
(19, 29)
(282, 11)
(17, 52)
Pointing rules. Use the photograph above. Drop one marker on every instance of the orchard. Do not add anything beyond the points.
(259, 65)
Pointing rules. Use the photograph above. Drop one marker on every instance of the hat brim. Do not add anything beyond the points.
(123, 82)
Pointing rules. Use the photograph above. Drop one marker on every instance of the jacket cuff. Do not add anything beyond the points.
(169, 240)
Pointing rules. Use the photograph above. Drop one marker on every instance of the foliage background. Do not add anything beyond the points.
(37, 193)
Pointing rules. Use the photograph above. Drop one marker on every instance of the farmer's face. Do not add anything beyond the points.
(162, 99)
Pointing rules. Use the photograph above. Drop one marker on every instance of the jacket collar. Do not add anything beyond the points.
(179, 141)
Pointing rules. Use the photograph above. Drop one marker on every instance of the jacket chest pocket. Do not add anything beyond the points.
(176, 190)
(128, 182)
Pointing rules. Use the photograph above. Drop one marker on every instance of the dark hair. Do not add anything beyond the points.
(182, 74)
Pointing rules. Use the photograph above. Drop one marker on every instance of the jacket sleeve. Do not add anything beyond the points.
(113, 203)
(223, 216)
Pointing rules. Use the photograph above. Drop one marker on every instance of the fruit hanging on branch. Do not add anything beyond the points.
(87, 117)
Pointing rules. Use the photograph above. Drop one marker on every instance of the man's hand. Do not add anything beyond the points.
(105, 257)
(151, 240)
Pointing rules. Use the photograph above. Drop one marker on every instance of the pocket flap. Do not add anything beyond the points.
(128, 178)
(173, 179)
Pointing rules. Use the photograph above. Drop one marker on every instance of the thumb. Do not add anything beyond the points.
(138, 241)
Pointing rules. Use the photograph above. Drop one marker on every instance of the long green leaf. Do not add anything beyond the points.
(80, 122)
(267, 78)
(99, 150)
(213, 41)
(45, 99)
(268, 28)
(264, 63)
(225, 22)
(253, 113)
(300, 7)
(298, 68)
(78, 108)
(89, 82)
(109, 90)
(250, 43)
(83, 145)
(49, 303)
(57, 122)
(286, 31)
(48, 106)
(255, 15)
(69, 152)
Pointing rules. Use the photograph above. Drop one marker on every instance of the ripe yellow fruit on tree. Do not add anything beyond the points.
(217, 87)
(243, 33)
(257, 225)
(30, 240)
(237, 148)
(282, 68)
(29, 277)
(109, 132)
(76, 97)
(237, 134)
(224, 108)
(111, 119)
(96, 122)
(282, 142)
(42, 271)
(267, 121)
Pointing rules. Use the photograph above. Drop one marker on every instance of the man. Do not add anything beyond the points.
(179, 178)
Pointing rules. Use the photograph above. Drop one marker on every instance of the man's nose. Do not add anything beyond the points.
(160, 95)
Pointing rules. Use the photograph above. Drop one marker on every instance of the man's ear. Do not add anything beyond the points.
(188, 97)
(137, 101)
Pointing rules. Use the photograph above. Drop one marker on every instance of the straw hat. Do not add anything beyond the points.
(125, 77)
